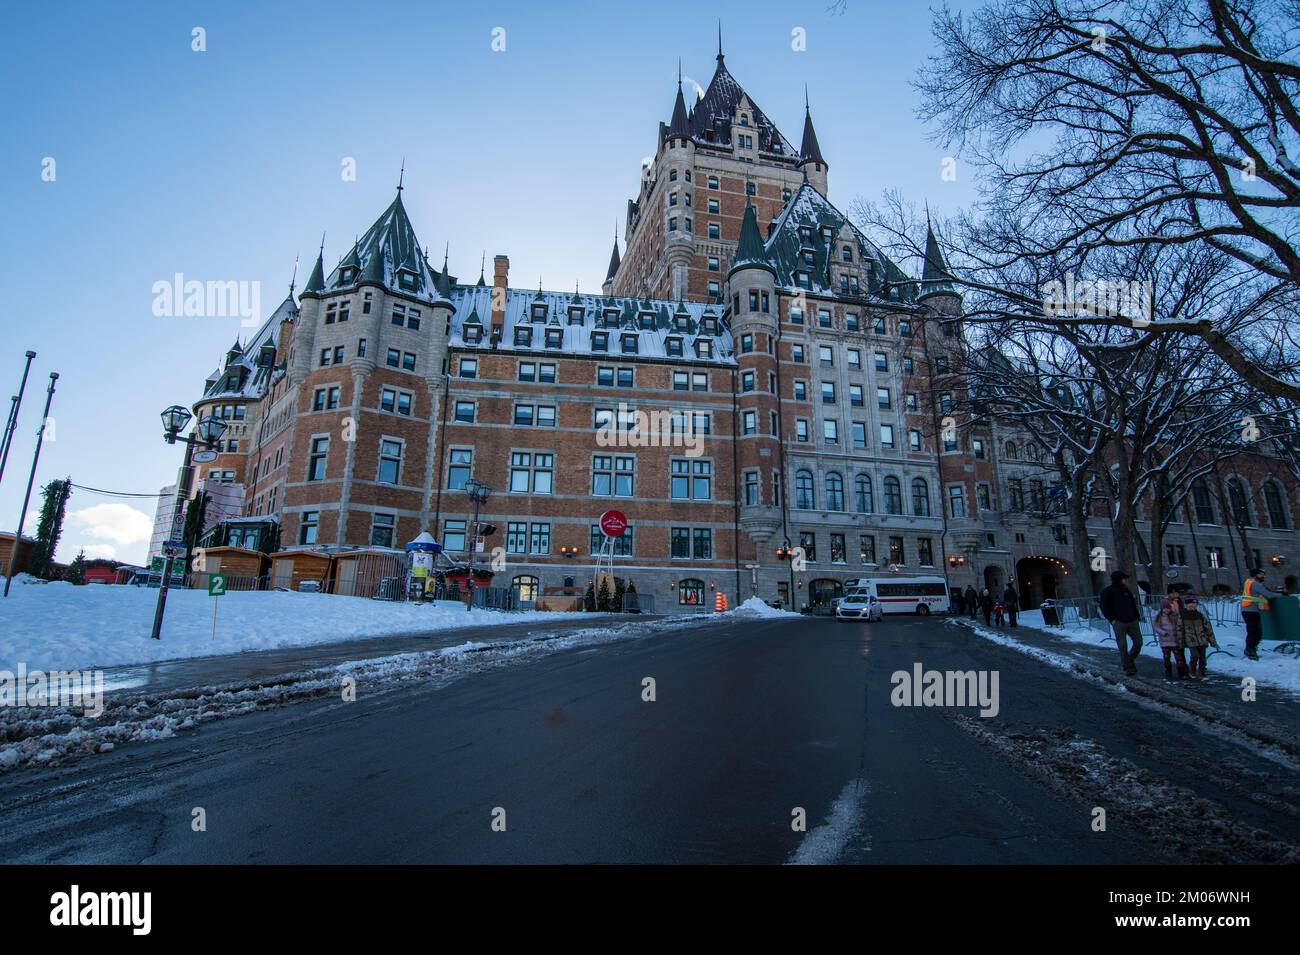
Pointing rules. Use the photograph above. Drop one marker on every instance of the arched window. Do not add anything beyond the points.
(893, 496)
(1031, 451)
(804, 498)
(1237, 500)
(690, 592)
(1276, 505)
(1012, 452)
(525, 587)
(834, 492)
(1202, 502)
(863, 499)
(920, 498)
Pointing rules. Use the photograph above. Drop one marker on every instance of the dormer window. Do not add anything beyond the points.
(609, 317)
(473, 333)
(346, 275)
(646, 320)
(555, 338)
(805, 234)
(539, 312)
(577, 314)
(846, 253)
(600, 341)
(406, 279)
(523, 336)
(680, 321)
(629, 344)
(709, 325)
(704, 348)
(801, 279)
(673, 346)
(744, 119)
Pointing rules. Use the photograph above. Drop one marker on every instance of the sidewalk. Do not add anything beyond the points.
(169, 676)
(1273, 717)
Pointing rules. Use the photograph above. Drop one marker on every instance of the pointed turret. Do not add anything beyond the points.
(373, 273)
(749, 250)
(935, 277)
(811, 161)
(678, 126)
(614, 262)
(316, 281)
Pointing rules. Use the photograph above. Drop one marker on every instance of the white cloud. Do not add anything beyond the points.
(94, 551)
(118, 523)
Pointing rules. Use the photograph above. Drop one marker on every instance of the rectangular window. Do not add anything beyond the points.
(956, 501)
(831, 431)
(691, 480)
(838, 549)
(465, 411)
(897, 554)
(460, 468)
(887, 436)
(517, 537)
(316, 460)
(859, 434)
(540, 538)
(808, 542)
(453, 536)
(469, 368)
(613, 475)
(751, 489)
(925, 552)
(307, 527)
(867, 549)
(622, 545)
(390, 461)
(383, 527)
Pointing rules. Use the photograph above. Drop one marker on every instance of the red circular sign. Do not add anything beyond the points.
(613, 523)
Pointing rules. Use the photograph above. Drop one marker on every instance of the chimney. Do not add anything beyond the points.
(500, 274)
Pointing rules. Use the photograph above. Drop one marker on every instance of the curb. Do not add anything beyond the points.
(1289, 744)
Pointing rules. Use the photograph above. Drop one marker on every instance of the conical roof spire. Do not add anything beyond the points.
(614, 259)
(720, 57)
(678, 126)
(749, 250)
(316, 281)
(810, 150)
(935, 278)
(482, 268)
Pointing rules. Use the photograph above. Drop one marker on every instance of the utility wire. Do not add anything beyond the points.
(96, 490)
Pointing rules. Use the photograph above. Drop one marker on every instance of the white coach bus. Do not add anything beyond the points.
(919, 595)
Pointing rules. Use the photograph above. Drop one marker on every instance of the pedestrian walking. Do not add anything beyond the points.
(986, 605)
(972, 601)
(1168, 628)
(1120, 609)
(959, 601)
(1196, 633)
(1011, 600)
(1254, 604)
(999, 610)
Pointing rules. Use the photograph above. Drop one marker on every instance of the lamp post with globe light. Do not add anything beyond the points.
(207, 432)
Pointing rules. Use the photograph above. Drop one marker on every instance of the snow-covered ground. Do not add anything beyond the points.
(1279, 669)
(757, 607)
(59, 626)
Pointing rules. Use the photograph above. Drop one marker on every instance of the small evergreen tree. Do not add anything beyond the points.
(602, 596)
(616, 600)
(589, 599)
(49, 528)
(631, 593)
(76, 572)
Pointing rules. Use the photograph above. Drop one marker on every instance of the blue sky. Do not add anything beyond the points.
(226, 164)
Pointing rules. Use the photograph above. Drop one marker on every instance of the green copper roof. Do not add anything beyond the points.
(316, 281)
(935, 279)
(749, 250)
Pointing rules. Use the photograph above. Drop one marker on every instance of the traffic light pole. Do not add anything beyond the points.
(31, 479)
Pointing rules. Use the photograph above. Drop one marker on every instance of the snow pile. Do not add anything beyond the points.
(1278, 669)
(50, 736)
(59, 626)
(757, 607)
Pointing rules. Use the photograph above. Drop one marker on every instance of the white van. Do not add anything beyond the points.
(919, 595)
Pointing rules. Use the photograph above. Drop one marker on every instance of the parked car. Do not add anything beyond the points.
(859, 607)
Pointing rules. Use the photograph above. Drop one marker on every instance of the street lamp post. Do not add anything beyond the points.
(31, 478)
(478, 493)
(15, 403)
(209, 431)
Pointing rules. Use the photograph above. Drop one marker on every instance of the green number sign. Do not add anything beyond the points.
(217, 585)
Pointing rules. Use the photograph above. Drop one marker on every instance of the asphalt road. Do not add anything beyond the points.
(752, 722)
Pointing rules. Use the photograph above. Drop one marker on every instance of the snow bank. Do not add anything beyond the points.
(59, 626)
(1278, 669)
(757, 607)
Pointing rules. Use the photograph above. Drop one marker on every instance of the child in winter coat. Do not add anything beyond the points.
(1168, 632)
(998, 611)
(1197, 634)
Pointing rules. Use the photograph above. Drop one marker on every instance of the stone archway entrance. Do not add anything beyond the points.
(993, 580)
(1040, 578)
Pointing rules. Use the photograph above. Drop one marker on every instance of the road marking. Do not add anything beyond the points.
(825, 844)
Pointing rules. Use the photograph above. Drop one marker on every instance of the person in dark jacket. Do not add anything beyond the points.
(1120, 608)
(1011, 600)
(972, 601)
(959, 601)
(986, 606)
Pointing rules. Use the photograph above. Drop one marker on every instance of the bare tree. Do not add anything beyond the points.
(1103, 124)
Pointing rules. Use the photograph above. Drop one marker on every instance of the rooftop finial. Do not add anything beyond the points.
(806, 107)
(293, 281)
(446, 254)
(482, 265)
(719, 39)
(401, 175)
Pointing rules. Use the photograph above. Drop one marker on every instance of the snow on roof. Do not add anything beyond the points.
(692, 323)
(245, 374)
